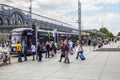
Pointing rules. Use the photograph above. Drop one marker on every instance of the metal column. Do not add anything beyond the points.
(79, 19)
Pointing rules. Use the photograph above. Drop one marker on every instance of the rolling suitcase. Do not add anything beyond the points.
(82, 57)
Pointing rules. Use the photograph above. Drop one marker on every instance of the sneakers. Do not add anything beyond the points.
(76, 58)
(67, 62)
(59, 60)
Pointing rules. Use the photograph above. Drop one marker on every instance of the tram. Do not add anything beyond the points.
(26, 34)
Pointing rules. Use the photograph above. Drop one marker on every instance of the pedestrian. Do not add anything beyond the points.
(89, 42)
(24, 46)
(55, 47)
(62, 52)
(70, 46)
(7, 54)
(39, 52)
(79, 48)
(66, 49)
(47, 49)
(28, 48)
(33, 51)
(94, 43)
(19, 51)
(51, 49)
(3, 45)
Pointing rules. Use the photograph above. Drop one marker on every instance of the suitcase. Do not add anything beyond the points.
(82, 57)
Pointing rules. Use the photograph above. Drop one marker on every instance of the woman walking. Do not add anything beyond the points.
(66, 49)
(79, 50)
(62, 52)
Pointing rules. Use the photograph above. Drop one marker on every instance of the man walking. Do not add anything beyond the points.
(19, 51)
(70, 46)
(24, 46)
(33, 51)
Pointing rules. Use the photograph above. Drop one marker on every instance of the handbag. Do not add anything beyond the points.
(63, 54)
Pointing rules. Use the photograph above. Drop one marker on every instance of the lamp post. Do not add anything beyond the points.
(30, 23)
(79, 19)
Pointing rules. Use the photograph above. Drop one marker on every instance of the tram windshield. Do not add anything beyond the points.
(16, 36)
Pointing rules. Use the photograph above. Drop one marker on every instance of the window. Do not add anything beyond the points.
(6, 21)
(1, 22)
(16, 19)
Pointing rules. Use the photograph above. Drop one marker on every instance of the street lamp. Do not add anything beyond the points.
(79, 19)
(30, 23)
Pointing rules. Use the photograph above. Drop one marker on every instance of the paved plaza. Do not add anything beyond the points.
(97, 66)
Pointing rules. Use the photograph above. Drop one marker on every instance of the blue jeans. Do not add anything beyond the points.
(19, 56)
(55, 50)
(71, 50)
(25, 55)
(47, 53)
(78, 54)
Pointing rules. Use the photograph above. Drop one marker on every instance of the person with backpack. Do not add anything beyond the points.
(39, 52)
(19, 51)
(24, 46)
(79, 50)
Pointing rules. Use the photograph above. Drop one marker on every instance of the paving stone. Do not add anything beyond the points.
(97, 66)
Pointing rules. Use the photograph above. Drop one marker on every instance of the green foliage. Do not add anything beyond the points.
(106, 31)
(118, 34)
(111, 35)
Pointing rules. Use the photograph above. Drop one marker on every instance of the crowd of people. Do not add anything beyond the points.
(49, 48)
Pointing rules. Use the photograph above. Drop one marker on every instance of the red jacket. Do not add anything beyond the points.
(64, 48)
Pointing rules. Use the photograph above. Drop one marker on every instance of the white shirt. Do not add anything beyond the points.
(70, 44)
(33, 48)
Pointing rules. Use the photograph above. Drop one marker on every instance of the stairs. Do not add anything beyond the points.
(108, 49)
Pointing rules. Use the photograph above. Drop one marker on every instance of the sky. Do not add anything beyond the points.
(94, 12)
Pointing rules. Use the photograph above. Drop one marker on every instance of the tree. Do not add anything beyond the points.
(106, 31)
(118, 34)
(111, 35)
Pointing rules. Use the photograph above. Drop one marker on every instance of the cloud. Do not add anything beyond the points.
(93, 11)
(91, 7)
(110, 21)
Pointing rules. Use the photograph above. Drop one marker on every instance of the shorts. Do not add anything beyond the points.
(33, 53)
(51, 49)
